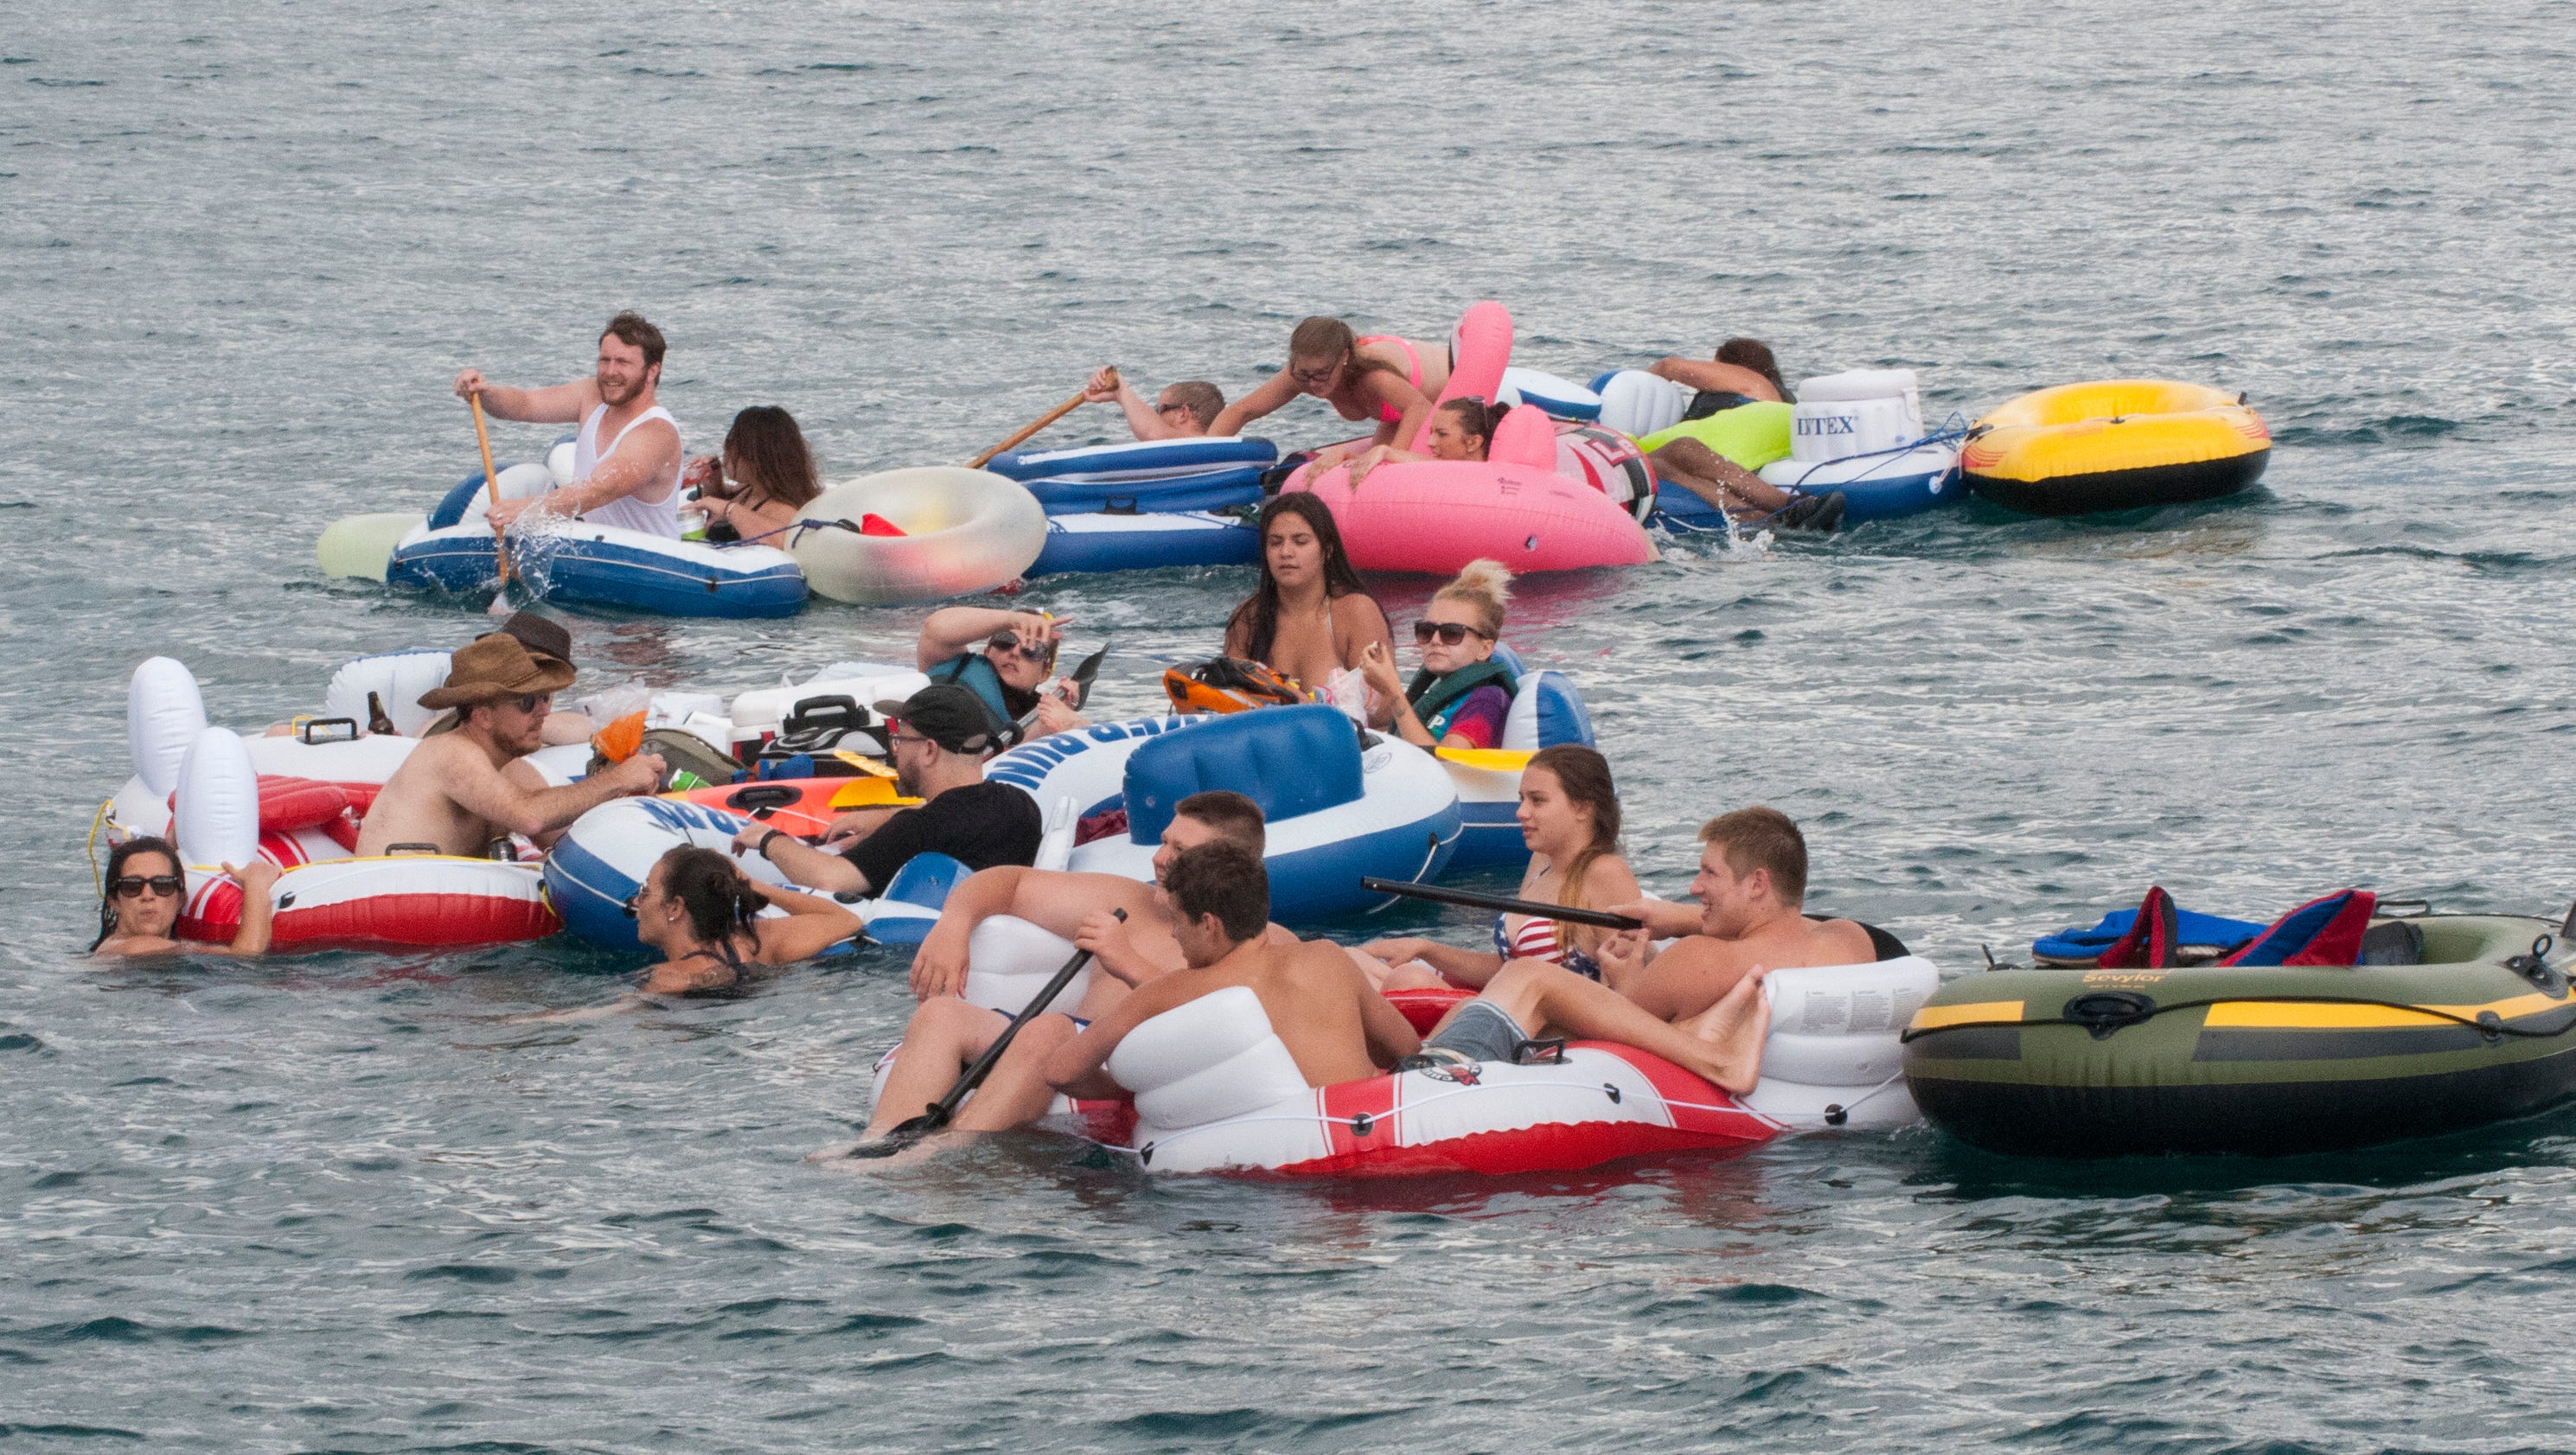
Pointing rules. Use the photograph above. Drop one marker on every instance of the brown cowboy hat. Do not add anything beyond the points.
(495, 667)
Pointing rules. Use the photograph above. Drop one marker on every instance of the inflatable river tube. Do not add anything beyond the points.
(1146, 540)
(1561, 398)
(922, 534)
(2118, 444)
(1337, 807)
(2264, 1060)
(1545, 711)
(1215, 1091)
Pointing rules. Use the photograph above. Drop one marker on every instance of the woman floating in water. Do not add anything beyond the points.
(138, 911)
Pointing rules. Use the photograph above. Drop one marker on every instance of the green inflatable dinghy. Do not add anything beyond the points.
(2088, 1062)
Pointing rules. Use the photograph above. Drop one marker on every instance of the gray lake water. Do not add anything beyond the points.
(357, 1203)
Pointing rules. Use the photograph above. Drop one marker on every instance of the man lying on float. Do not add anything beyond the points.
(946, 1034)
(459, 791)
(1697, 1004)
(1334, 1024)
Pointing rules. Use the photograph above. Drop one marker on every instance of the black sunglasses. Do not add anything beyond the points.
(1010, 642)
(1451, 633)
(126, 886)
(629, 904)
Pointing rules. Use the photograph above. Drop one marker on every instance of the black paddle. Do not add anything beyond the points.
(936, 1116)
(1528, 907)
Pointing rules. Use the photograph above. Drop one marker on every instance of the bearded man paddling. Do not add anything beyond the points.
(633, 480)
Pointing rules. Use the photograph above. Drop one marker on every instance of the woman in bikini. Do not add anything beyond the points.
(1383, 378)
(703, 915)
(1310, 618)
(765, 475)
(1569, 817)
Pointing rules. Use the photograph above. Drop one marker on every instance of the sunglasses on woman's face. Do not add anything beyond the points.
(1450, 633)
(127, 886)
(1312, 377)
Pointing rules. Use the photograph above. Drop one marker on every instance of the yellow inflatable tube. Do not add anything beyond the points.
(2115, 444)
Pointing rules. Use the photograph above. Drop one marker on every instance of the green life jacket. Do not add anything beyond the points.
(970, 671)
(1436, 699)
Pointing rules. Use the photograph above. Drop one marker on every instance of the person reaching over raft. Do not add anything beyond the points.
(1009, 675)
(633, 481)
(1310, 618)
(1381, 377)
(766, 474)
(703, 915)
(946, 1034)
(1461, 429)
(1569, 817)
(1182, 411)
(144, 890)
(941, 738)
(1461, 696)
(460, 792)
(1743, 372)
(1698, 1004)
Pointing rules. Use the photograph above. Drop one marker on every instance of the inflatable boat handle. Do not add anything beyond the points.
(1530, 908)
(938, 1114)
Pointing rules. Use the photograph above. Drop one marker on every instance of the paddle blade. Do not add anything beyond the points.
(901, 1135)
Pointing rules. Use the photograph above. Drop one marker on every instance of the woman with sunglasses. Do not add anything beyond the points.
(145, 889)
(1461, 696)
(1388, 379)
(1009, 675)
(703, 915)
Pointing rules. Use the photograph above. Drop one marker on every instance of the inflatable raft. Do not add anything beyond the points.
(1340, 804)
(1546, 711)
(2459, 1020)
(923, 534)
(2118, 444)
(1214, 1090)
(1859, 434)
(1145, 505)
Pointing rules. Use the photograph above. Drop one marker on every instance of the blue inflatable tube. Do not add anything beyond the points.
(1141, 460)
(589, 565)
(1223, 489)
(1104, 541)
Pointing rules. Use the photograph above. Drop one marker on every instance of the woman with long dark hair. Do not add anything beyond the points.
(1310, 617)
(703, 915)
(144, 889)
(765, 475)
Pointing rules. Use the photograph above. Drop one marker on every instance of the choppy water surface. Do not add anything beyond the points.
(354, 1203)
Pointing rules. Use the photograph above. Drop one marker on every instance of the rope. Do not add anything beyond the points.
(97, 876)
(1953, 428)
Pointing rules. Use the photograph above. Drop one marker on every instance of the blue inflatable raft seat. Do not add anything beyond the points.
(1546, 710)
(1289, 760)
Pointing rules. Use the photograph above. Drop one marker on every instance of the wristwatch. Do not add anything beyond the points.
(769, 838)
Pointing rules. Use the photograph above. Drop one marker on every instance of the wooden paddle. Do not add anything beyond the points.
(1529, 908)
(936, 1116)
(491, 487)
(1048, 418)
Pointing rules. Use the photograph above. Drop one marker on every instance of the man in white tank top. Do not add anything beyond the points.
(633, 479)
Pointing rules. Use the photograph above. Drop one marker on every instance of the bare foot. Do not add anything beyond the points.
(1732, 1030)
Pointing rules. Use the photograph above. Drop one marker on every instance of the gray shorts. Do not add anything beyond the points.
(1481, 1031)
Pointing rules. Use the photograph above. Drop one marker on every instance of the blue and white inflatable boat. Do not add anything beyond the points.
(1546, 711)
(576, 562)
(1144, 505)
(1340, 805)
(602, 859)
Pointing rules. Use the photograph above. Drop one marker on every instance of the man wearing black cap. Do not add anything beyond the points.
(940, 738)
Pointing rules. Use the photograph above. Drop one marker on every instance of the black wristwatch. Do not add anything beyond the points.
(767, 839)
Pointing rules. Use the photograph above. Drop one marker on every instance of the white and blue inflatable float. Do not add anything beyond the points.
(1558, 398)
(576, 562)
(1339, 804)
(1546, 711)
(602, 859)
(1144, 505)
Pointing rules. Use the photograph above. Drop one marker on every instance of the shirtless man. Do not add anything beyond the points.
(1320, 1006)
(461, 790)
(1698, 1004)
(1309, 618)
(634, 480)
(1182, 411)
(946, 1034)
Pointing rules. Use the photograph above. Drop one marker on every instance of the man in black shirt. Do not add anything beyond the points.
(941, 738)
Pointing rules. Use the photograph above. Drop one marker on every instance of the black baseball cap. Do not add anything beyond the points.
(949, 715)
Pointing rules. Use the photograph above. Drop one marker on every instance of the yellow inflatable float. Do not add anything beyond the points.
(2115, 444)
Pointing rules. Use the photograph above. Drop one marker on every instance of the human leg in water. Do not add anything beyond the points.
(1716, 479)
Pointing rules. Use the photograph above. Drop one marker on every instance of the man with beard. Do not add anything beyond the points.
(633, 481)
(939, 739)
(460, 790)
